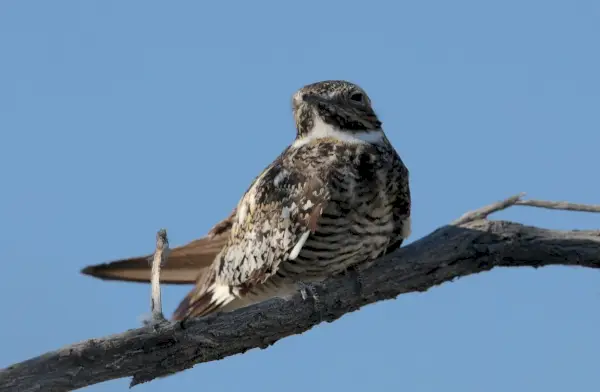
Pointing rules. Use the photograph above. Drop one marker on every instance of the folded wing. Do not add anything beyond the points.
(273, 221)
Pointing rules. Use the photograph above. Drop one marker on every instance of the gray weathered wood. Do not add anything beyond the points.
(476, 245)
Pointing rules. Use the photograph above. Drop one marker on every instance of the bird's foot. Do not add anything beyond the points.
(358, 271)
(309, 289)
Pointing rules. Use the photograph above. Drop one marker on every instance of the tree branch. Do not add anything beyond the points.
(161, 255)
(469, 245)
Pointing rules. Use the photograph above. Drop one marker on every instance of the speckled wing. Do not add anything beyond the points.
(272, 223)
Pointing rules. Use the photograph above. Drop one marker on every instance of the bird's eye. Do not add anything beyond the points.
(358, 97)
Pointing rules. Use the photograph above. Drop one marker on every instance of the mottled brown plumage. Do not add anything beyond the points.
(337, 197)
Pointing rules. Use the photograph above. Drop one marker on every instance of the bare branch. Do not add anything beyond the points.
(559, 205)
(484, 212)
(517, 200)
(470, 246)
(161, 255)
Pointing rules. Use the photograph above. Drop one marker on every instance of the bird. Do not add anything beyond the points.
(337, 198)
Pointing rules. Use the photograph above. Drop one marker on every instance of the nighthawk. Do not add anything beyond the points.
(337, 198)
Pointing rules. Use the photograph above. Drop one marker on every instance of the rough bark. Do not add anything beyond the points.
(470, 245)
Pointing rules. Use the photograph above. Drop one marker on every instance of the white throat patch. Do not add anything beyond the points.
(322, 130)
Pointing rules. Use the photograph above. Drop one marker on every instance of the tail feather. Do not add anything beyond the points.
(185, 262)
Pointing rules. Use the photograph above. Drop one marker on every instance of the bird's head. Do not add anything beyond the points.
(335, 107)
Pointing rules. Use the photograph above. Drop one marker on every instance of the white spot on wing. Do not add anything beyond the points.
(296, 251)
(322, 130)
(221, 294)
(280, 176)
(287, 211)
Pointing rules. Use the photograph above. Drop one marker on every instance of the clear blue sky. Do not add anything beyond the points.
(100, 100)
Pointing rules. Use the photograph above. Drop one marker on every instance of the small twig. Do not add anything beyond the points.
(516, 200)
(160, 259)
(484, 212)
(559, 205)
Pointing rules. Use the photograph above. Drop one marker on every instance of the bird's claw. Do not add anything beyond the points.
(309, 289)
(359, 278)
